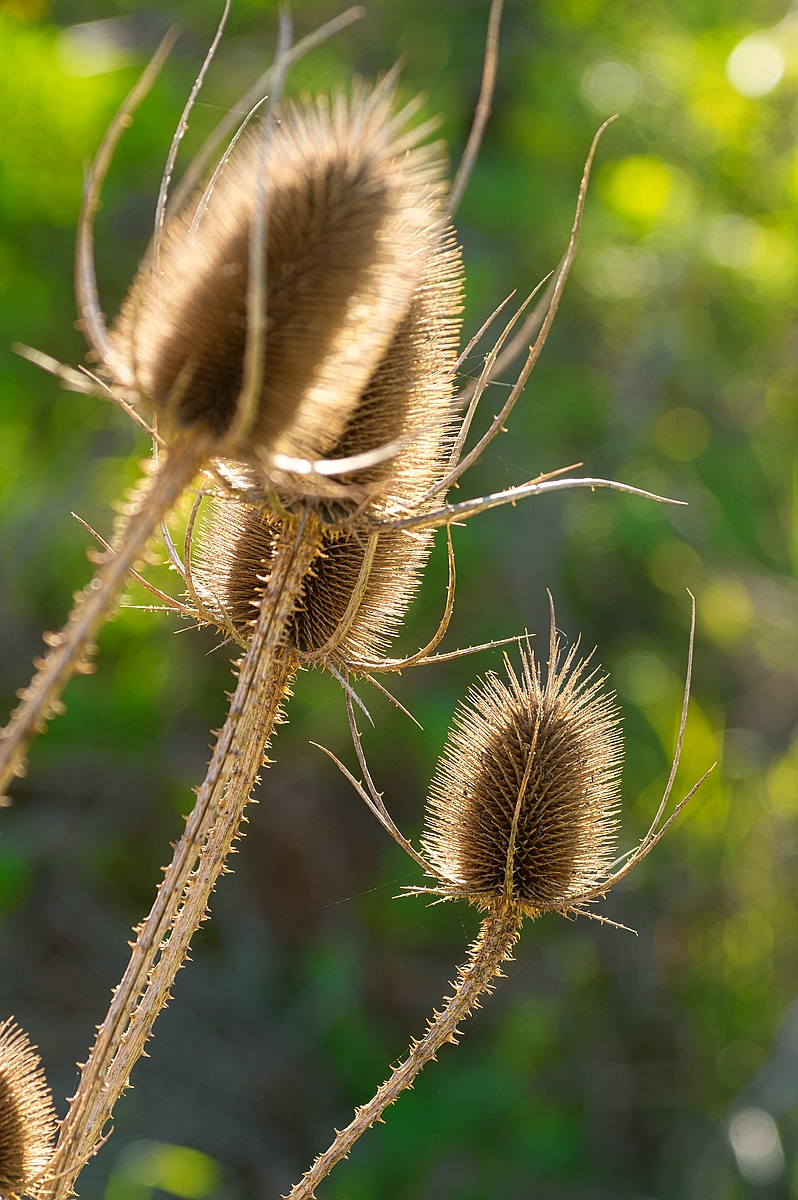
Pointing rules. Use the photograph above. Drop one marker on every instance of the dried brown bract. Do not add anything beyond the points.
(361, 584)
(27, 1118)
(525, 799)
(353, 205)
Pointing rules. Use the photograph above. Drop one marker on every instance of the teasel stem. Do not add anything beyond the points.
(493, 946)
(182, 901)
(69, 648)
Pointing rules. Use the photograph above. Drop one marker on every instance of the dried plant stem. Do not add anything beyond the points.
(492, 947)
(94, 604)
(183, 896)
(489, 69)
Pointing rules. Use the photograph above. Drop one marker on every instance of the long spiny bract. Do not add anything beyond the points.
(27, 1117)
(525, 798)
(354, 204)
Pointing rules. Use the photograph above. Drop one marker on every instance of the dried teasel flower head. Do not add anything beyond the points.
(353, 204)
(523, 806)
(361, 584)
(27, 1117)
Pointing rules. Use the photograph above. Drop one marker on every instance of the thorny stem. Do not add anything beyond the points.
(492, 947)
(183, 896)
(68, 649)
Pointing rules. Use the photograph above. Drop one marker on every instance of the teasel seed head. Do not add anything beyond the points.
(523, 806)
(27, 1117)
(409, 400)
(353, 205)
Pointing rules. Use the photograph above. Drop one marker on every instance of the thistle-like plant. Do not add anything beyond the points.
(292, 334)
(521, 819)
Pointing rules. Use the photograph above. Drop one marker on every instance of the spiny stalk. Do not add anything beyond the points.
(181, 904)
(492, 947)
(69, 649)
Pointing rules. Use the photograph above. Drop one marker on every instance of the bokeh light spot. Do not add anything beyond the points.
(624, 272)
(673, 567)
(736, 241)
(610, 87)
(682, 433)
(726, 611)
(179, 1170)
(755, 1141)
(95, 47)
(639, 188)
(642, 677)
(755, 66)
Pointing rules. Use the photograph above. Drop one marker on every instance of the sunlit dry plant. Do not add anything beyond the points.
(27, 1117)
(521, 818)
(292, 334)
(524, 803)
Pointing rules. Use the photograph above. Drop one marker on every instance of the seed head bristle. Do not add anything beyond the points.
(353, 206)
(409, 397)
(27, 1117)
(523, 806)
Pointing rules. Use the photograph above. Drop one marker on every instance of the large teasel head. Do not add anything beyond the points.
(27, 1117)
(353, 205)
(360, 586)
(523, 806)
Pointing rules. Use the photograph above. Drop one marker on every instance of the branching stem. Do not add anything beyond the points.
(183, 896)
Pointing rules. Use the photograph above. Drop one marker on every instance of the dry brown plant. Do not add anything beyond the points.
(292, 336)
(521, 819)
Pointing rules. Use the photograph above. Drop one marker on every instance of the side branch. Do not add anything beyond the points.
(95, 603)
(469, 508)
(494, 946)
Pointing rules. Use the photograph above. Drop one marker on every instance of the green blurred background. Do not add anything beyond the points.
(606, 1065)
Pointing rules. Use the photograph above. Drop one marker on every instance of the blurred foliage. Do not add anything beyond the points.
(606, 1065)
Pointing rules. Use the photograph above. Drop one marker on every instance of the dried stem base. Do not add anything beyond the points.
(69, 648)
(183, 896)
(493, 947)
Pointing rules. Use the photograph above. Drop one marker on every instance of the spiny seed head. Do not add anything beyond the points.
(523, 806)
(27, 1118)
(410, 397)
(353, 204)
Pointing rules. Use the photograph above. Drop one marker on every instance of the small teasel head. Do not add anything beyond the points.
(524, 803)
(27, 1117)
